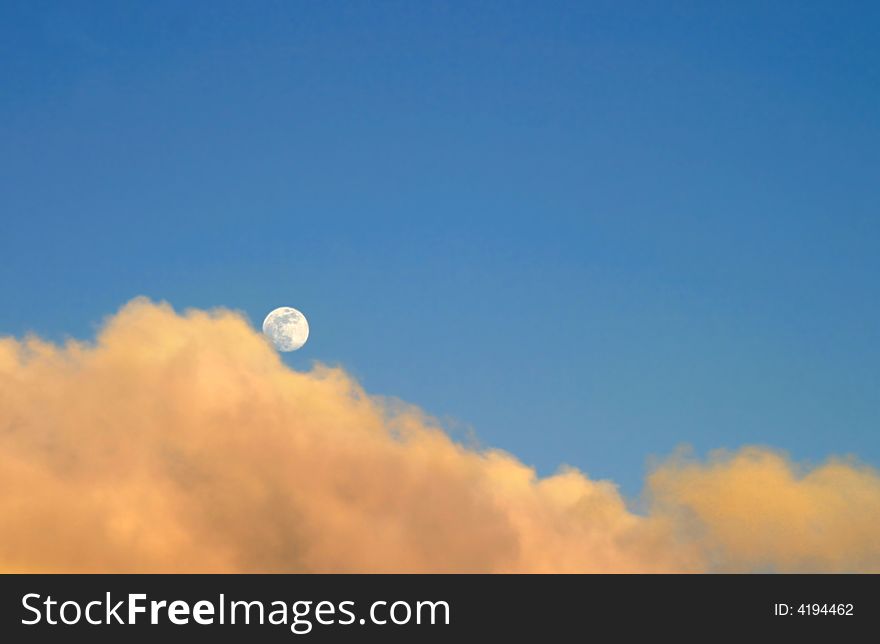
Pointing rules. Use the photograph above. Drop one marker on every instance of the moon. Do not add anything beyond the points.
(287, 328)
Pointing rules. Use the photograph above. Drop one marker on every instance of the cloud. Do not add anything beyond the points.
(183, 443)
(756, 510)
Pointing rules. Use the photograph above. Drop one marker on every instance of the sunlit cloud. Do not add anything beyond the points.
(183, 443)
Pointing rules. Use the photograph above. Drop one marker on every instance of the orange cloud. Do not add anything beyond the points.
(755, 510)
(183, 443)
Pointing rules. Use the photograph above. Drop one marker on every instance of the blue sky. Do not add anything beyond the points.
(590, 231)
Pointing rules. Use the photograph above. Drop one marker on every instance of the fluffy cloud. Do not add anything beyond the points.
(183, 443)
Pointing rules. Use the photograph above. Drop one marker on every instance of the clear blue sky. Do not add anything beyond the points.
(591, 231)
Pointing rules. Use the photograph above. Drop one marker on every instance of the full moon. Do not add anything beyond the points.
(287, 328)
